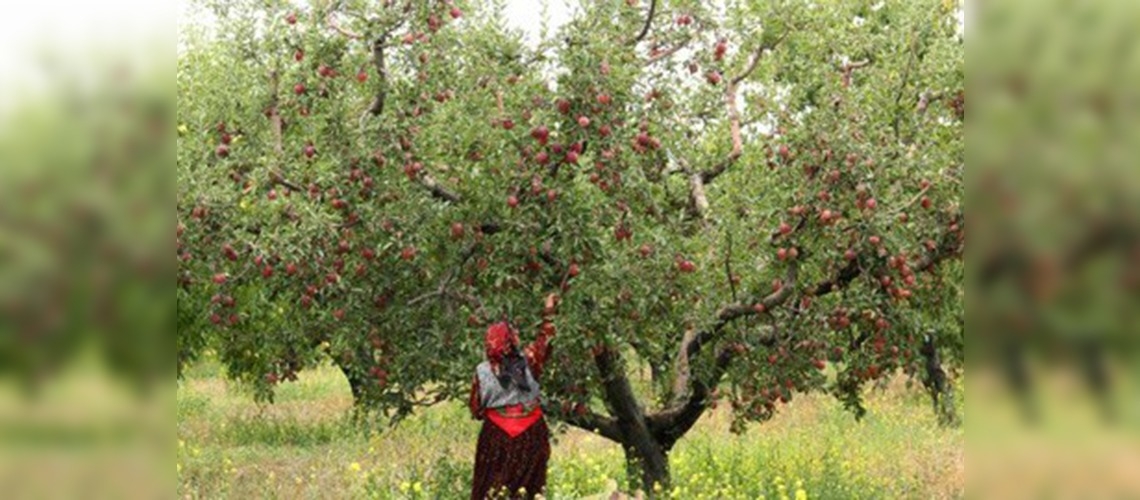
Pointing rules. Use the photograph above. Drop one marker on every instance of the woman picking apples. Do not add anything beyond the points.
(514, 444)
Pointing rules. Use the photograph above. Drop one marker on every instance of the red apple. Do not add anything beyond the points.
(542, 158)
(220, 278)
(222, 151)
(782, 254)
(603, 99)
(874, 240)
(551, 195)
(267, 272)
(604, 130)
(563, 106)
(508, 124)
(338, 314)
(512, 201)
(299, 89)
(926, 203)
(457, 231)
(645, 250)
(408, 253)
(721, 48)
(291, 269)
(759, 308)
(871, 204)
(361, 76)
(299, 55)
(540, 134)
(713, 77)
(310, 151)
(583, 121)
(573, 271)
(291, 18)
(455, 13)
(227, 138)
(785, 228)
(572, 157)
(849, 254)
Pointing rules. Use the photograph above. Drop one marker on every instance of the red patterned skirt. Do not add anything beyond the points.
(506, 464)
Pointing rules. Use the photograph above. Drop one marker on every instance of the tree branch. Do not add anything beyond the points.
(333, 24)
(757, 55)
(591, 422)
(436, 189)
(377, 105)
(648, 21)
(672, 50)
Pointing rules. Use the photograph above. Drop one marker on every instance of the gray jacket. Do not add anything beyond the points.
(492, 395)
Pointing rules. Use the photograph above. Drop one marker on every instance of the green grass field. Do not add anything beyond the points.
(304, 446)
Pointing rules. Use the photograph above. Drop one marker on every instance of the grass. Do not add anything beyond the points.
(304, 446)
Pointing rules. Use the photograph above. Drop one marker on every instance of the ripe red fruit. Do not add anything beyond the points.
(713, 77)
(563, 106)
(871, 204)
(583, 121)
(782, 254)
(759, 308)
(572, 157)
(926, 203)
(362, 77)
(272, 195)
(643, 139)
(512, 201)
(785, 228)
(368, 254)
(508, 124)
(220, 278)
(408, 253)
(818, 363)
(310, 151)
(542, 158)
(291, 269)
(573, 271)
(291, 18)
(457, 230)
(455, 13)
(925, 184)
(338, 314)
(222, 151)
(299, 55)
(604, 99)
(773, 359)
(645, 250)
(267, 272)
(686, 266)
(226, 138)
(299, 89)
(793, 252)
(604, 131)
(721, 48)
(875, 240)
(215, 319)
(849, 254)
(551, 195)
(548, 328)
(540, 134)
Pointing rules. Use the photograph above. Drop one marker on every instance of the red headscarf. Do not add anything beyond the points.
(499, 340)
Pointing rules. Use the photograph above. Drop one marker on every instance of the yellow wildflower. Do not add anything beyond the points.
(355, 466)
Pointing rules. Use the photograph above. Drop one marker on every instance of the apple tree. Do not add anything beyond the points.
(731, 202)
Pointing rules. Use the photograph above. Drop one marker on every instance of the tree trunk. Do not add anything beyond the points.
(646, 464)
(646, 460)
